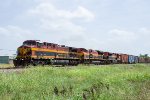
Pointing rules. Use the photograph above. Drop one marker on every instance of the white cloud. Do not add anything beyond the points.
(122, 35)
(144, 30)
(130, 42)
(14, 31)
(61, 24)
(47, 10)
(11, 37)
(51, 18)
(82, 12)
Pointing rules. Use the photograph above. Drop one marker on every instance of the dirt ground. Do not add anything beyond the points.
(11, 70)
(8, 68)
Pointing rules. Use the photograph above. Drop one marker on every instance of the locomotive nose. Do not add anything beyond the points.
(23, 51)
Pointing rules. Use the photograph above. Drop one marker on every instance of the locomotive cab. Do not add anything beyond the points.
(30, 43)
(73, 53)
(23, 56)
(93, 54)
(84, 55)
(101, 54)
(24, 53)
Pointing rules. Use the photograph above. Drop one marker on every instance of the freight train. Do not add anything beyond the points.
(34, 52)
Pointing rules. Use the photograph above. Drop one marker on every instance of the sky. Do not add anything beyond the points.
(120, 26)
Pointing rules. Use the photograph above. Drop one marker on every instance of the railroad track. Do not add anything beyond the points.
(10, 70)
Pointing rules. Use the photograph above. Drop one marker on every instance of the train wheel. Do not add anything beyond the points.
(34, 63)
(17, 63)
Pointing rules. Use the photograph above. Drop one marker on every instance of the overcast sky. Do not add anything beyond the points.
(121, 26)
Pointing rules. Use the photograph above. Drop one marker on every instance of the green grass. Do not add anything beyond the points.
(111, 82)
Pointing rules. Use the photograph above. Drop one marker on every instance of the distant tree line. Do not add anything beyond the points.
(144, 55)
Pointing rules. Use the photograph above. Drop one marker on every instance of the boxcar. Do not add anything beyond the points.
(141, 60)
(124, 58)
(136, 59)
(131, 59)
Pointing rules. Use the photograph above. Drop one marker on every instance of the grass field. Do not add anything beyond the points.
(109, 82)
(6, 66)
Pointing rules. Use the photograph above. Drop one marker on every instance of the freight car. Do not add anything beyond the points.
(131, 59)
(144, 59)
(33, 52)
(124, 58)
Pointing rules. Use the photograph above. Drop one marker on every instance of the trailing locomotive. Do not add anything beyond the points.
(32, 52)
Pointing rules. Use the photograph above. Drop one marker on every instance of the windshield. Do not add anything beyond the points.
(29, 43)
